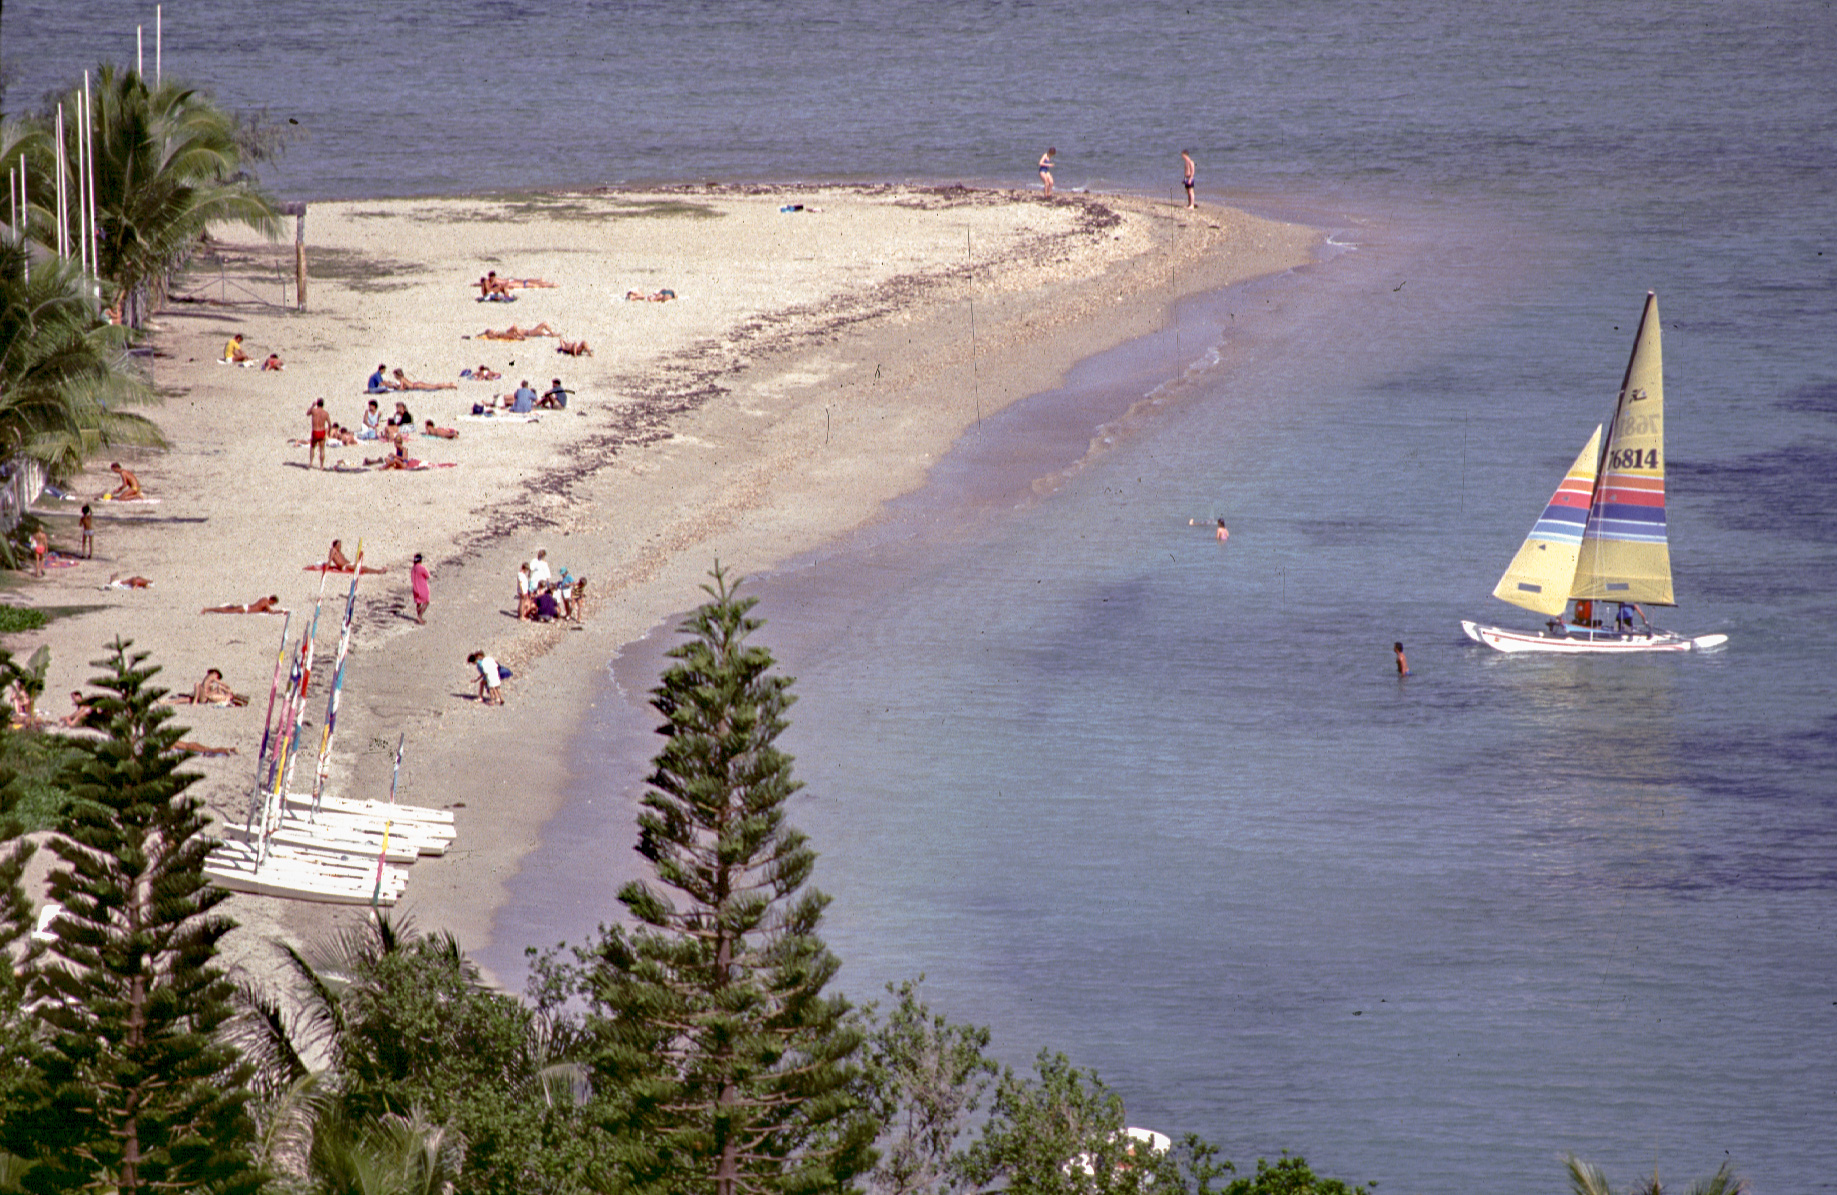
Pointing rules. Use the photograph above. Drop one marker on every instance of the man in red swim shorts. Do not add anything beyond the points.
(322, 423)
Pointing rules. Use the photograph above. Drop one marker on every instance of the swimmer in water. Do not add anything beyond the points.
(1403, 664)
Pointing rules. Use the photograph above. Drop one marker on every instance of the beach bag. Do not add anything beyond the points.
(504, 673)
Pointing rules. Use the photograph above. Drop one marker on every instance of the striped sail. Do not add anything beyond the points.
(1625, 555)
(1539, 577)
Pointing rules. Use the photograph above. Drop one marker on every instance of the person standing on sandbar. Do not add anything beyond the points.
(1186, 160)
(1046, 170)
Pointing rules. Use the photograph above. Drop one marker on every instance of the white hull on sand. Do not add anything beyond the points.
(378, 809)
(295, 884)
(318, 838)
(1598, 642)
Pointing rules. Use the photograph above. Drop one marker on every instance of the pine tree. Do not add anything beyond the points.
(137, 1090)
(712, 1007)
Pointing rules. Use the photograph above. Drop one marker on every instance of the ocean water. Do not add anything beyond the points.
(1162, 804)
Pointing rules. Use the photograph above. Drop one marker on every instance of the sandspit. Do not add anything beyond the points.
(818, 357)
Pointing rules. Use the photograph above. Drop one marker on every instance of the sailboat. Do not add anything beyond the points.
(1599, 555)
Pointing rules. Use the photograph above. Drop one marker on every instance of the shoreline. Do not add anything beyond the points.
(815, 366)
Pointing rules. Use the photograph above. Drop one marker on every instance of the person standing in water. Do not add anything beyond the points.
(1403, 663)
(1046, 170)
(1186, 161)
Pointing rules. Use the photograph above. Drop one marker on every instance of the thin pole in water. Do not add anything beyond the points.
(969, 250)
(159, 39)
(140, 51)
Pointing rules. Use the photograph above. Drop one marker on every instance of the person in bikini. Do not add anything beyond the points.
(1046, 170)
(321, 427)
(445, 433)
(483, 374)
(335, 556)
(515, 333)
(638, 296)
(130, 484)
(273, 364)
(117, 581)
(268, 605)
(404, 382)
(212, 690)
(574, 348)
(1186, 161)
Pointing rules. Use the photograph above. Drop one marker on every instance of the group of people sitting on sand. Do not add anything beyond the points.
(544, 597)
(524, 400)
(234, 354)
(656, 296)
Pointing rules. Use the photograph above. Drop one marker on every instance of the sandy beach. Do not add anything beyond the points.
(814, 363)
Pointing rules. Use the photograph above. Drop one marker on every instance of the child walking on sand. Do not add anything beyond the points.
(88, 525)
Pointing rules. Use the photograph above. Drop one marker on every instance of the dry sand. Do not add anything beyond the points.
(813, 366)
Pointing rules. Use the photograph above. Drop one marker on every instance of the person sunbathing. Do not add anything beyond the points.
(445, 433)
(638, 296)
(481, 374)
(117, 581)
(491, 287)
(130, 484)
(273, 364)
(574, 348)
(515, 333)
(200, 748)
(404, 382)
(335, 556)
(506, 285)
(80, 712)
(213, 691)
(268, 605)
(343, 435)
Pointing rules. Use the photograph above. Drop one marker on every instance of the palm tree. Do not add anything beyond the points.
(167, 166)
(333, 1064)
(64, 374)
(1585, 1178)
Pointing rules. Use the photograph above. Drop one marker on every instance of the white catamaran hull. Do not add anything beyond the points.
(1505, 640)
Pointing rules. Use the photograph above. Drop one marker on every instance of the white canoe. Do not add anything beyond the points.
(1502, 639)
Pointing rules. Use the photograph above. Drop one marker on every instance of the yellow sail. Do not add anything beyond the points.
(1625, 555)
(1539, 576)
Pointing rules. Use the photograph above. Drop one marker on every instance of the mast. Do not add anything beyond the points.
(1625, 555)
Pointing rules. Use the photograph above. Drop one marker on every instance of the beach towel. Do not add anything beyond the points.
(143, 500)
(497, 298)
(505, 417)
(322, 566)
(56, 561)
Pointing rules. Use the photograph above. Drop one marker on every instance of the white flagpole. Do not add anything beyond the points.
(61, 214)
(82, 192)
(95, 235)
(140, 52)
